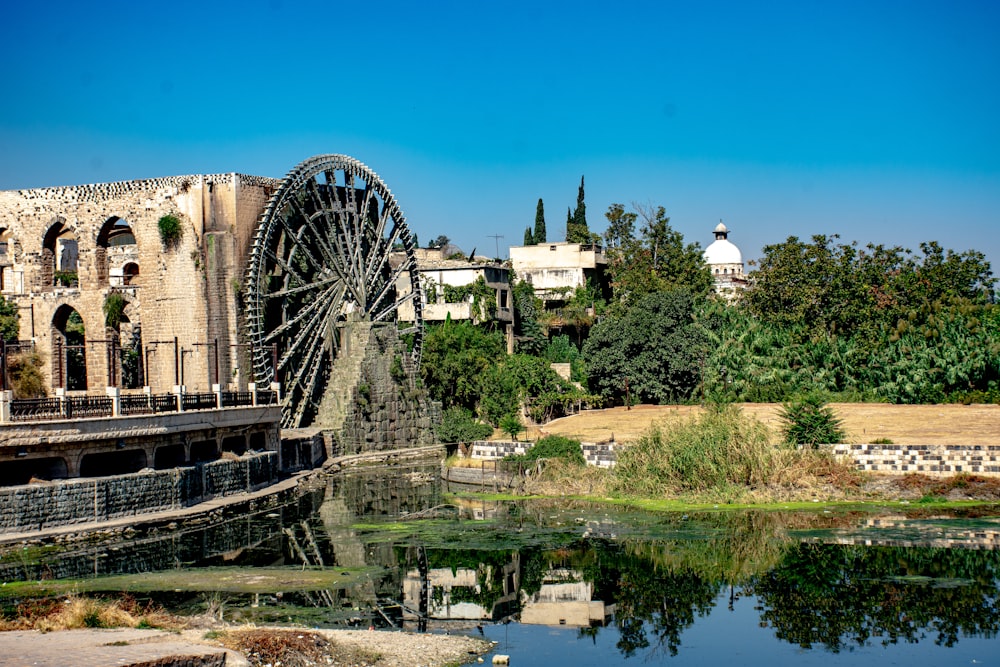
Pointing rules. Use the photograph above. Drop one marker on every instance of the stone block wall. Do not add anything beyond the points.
(387, 409)
(601, 454)
(188, 291)
(38, 506)
(923, 459)
(491, 450)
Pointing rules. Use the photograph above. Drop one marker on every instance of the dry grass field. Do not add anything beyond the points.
(864, 422)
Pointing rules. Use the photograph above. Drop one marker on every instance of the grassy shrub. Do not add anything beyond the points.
(553, 447)
(25, 373)
(808, 420)
(114, 309)
(459, 425)
(82, 612)
(171, 230)
(718, 450)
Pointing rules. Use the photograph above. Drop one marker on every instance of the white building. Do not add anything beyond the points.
(726, 263)
(446, 285)
(556, 269)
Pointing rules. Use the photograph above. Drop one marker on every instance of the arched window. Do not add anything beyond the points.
(129, 273)
(116, 248)
(69, 354)
(60, 255)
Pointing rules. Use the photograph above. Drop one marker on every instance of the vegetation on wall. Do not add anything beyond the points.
(171, 230)
(114, 309)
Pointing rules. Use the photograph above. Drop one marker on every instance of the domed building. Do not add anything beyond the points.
(726, 263)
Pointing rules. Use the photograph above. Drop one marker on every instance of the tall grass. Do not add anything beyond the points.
(719, 450)
(83, 612)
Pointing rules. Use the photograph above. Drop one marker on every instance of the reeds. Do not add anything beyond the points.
(720, 450)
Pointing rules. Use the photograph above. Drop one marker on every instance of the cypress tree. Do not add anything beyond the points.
(570, 232)
(528, 238)
(578, 231)
(540, 235)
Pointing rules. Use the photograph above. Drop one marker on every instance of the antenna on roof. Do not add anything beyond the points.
(496, 238)
(472, 255)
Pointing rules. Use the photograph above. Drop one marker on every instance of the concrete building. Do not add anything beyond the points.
(447, 289)
(556, 269)
(726, 263)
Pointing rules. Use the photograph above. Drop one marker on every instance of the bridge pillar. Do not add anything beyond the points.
(115, 394)
(178, 392)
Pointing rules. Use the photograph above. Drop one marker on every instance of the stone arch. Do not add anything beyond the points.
(116, 247)
(119, 462)
(60, 256)
(129, 273)
(69, 354)
(127, 369)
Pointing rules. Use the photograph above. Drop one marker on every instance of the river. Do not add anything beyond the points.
(565, 582)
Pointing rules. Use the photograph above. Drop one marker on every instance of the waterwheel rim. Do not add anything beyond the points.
(332, 245)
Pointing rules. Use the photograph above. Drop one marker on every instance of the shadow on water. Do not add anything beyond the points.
(385, 548)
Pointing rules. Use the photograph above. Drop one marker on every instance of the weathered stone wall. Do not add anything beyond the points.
(387, 409)
(188, 291)
(923, 459)
(37, 506)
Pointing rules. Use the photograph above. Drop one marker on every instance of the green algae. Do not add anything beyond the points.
(211, 579)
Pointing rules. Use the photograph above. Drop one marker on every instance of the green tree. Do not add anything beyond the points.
(528, 331)
(655, 345)
(540, 235)
(459, 425)
(529, 239)
(455, 357)
(808, 420)
(10, 325)
(576, 224)
(657, 261)
(523, 380)
(621, 226)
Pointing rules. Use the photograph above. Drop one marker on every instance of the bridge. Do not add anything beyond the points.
(144, 304)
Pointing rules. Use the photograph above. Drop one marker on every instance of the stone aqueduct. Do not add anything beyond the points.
(267, 280)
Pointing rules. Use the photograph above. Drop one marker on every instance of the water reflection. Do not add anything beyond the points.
(637, 581)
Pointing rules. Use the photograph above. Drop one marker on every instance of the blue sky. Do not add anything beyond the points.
(879, 121)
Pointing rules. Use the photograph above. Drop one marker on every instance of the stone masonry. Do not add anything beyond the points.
(387, 409)
(189, 290)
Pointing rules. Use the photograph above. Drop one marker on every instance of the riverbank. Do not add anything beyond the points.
(236, 647)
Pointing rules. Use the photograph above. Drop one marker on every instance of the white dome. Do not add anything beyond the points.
(723, 252)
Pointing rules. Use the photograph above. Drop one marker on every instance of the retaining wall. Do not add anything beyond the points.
(38, 506)
(923, 459)
(491, 450)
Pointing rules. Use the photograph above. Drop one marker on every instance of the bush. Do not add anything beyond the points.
(553, 447)
(810, 421)
(459, 425)
(511, 424)
(25, 373)
(719, 449)
(114, 308)
(171, 230)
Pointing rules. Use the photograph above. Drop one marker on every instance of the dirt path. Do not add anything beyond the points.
(864, 422)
